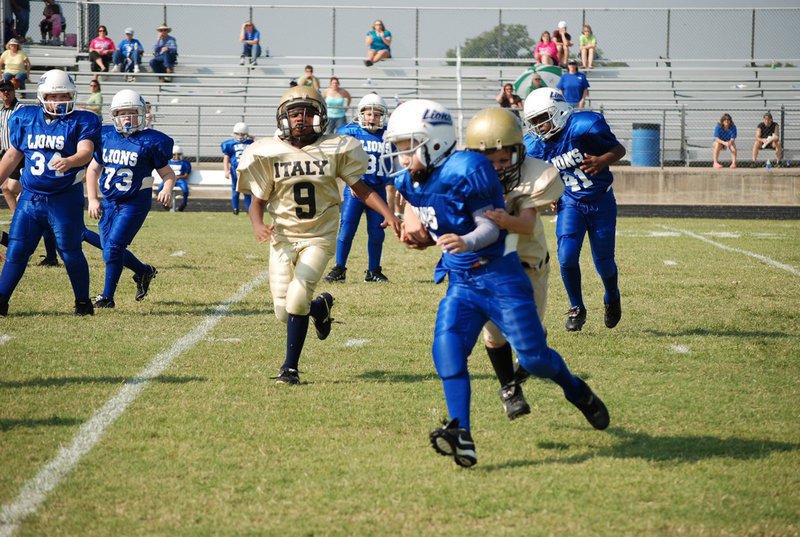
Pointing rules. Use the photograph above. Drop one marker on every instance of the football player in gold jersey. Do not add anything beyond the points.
(293, 176)
(529, 185)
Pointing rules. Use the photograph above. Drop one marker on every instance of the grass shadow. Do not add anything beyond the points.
(394, 376)
(53, 421)
(719, 333)
(51, 382)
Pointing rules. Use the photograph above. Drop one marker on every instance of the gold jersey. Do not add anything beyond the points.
(539, 187)
(299, 185)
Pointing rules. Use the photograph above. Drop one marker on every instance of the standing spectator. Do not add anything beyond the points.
(506, 98)
(251, 43)
(22, 16)
(182, 169)
(337, 100)
(563, 41)
(378, 41)
(574, 85)
(165, 53)
(52, 195)
(232, 151)
(52, 24)
(95, 101)
(582, 147)
(546, 51)
(11, 188)
(308, 79)
(588, 44)
(101, 51)
(128, 56)
(15, 64)
(768, 135)
(725, 138)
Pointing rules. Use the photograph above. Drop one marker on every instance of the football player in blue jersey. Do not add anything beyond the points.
(232, 151)
(368, 129)
(448, 193)
(182, 169)
(582, 147)
(56, 141)
(122, 169)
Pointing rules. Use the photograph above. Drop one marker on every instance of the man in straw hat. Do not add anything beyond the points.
(165, 53)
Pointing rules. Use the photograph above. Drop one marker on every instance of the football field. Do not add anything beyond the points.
(159, 417)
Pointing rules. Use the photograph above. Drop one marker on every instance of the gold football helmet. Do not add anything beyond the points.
(498, 128)
(312, 102)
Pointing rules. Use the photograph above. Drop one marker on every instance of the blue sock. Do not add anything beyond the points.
(296, 330)
(612, 288)
(457, 393)
(572, 284)
(564, 377)
(374, 252)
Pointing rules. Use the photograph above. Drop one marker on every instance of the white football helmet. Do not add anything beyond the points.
(135, 118)
(177, 150)
(241, 131)
(429, 127)
(545, 106)
(56, 81)
(372, 101)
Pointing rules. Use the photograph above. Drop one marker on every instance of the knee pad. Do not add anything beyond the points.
(113, 252)
(569, 252)
(449, 357)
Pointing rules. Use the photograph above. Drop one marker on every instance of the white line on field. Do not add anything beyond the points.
(35, 491)
(765, 259)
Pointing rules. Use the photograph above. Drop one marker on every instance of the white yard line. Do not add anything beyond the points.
(35, 491)
(763, 258)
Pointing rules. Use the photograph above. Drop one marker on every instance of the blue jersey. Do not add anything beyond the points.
(180, 167)
(586, 133)
(446, 201)
(41, 142)
(234, 149)
(374, 147)
(128, 161)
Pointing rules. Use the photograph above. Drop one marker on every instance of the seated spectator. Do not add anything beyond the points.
(508, 99)
(15, 64)
(546, 51)
(165, 53)
(308, 79)
(378, 41)
(574, 85)
(95, 101)
(536, 82)
(128, 56)
(768, 136)
(251, 43)
(588, 44)
(53, 22)
(563, 41)
(337, 99)
(725, 138)
(101, 51)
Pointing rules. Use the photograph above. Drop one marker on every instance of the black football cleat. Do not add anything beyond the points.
(514, 401)
(287, 375)
(104, 302)
(4, 238)
(592, 407)
(375, 276)
(3, 307)
(576, 318)
(236, 211)
(613, 313)
(454, 441)
(338, 274)
(143, 282)
(83, 308)
(49, 262)
(323, 325)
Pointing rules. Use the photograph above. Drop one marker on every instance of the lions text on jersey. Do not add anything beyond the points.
(374, 147)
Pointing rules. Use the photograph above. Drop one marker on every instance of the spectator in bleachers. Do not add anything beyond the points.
(128, 56)
(768, 136)
(725, 138)
(378, 42)
(536, 82)
(563, 41)
(52, 23)
(308, 79)
(574, 85)
(546, 51)
(21, 9)
(337, 100)
(15, 64)
(588, 44)
(95, 101)
(149, 116)
(165, 53)
(251, 43)
(101, 51)
(506, 98)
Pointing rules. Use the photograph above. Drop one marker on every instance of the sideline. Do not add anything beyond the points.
(765, 259)
(33, 493)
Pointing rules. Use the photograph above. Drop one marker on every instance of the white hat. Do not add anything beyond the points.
(562, 24)
(129, 31)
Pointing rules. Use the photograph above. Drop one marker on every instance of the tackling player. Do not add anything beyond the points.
(56, 142)
(368, 129)
(232, 149)
(582, 147)
(123, 167)
(528, 185)
(293, 176)
(449, 192)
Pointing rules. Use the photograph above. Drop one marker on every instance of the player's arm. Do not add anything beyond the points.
(522, 224)
(414, 234)
(93, 173)
(376, 203)
(168, 176)
(226, 165)
(593, 165)
(80, 159)
(485, 233)
(759, 135)
(262, 231)
(9, 163)
(583, 97)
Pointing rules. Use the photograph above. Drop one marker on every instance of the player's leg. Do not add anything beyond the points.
(66, 219)
(118, 226)
(502, 359)
(184, 186)
(375, 237)
(26, 229)
(234, 193)
(732, 147)
(129, 260)
(570, 231)
(352, 208)
(50, 255)
(602, 238)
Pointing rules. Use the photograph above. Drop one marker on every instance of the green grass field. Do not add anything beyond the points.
(701, 378)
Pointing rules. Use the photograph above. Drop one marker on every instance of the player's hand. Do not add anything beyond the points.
(499, 217)
(451, 243)
(165, 197)
(417, 242)
(592, 165)
(95, 211)
(263, 232)
(227, 175)
(60, 164)
(396, 224)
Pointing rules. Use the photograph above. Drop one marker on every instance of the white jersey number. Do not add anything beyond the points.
(38, 166)
(124, 175)
(576, 182)
(427, 215)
